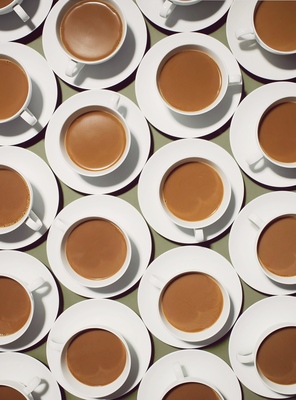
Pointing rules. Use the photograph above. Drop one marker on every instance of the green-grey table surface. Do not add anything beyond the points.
(129, 194)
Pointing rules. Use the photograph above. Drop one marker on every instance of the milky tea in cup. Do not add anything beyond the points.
(96, 251)
(90, 32)
(14, 390)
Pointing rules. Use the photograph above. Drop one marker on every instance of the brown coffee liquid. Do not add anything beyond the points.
(96, 140)
(192, 302)
(9, 393)
(191, 391)
(96, 357)
(15, 306)
(96, 249)
(276, 357)
(193, 191)
(190, 80)
(14, 197)
(14, 88)
(4, 3)
(277, 132)
(91, 30)
(276, 246)
(275, 24)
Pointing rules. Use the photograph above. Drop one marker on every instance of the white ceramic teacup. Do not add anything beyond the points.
(249, 33)
(182, 379)
(25, 390)
(23, 111)
(61, 344)
(29, 217)
(110, 106)
(225, 78)
(191, 336)
(82, 280)
(260, 225)
(15, 5)
(286, 365)
(260, 154)
(199, 225)
(75, 64)
(29, 289)
(169, 6)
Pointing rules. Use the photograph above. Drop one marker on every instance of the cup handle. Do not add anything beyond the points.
(167, 8)
(28, 117)
(32, 385)
(156, 281)
(245, 33)
(199, 235)
(257, 221)
(254, 158)
(36, 284)
(245, 358)
(21, 13)
(178, 371)
(235, 79)
(114, 101)
(73, 68)
(33, 221)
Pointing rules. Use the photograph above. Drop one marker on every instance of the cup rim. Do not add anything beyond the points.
(207, 333)
(214, 217)
(214, 56)
(67, 6)
(92, 283)
(77, 113)
(29, 94)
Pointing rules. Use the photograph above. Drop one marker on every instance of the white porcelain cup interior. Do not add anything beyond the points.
(161, 284)
(169, 5)
(15, 6)
(112, 106)
(61, 344)
(29, 218)
(227, 79)
(249, 358)
(75, 65)
(25, 389)
(29, 288)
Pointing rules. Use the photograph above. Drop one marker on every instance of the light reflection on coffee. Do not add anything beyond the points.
(9, 393)
(190, 391)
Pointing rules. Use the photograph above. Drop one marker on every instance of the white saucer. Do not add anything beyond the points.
(126, 216)
(185, 19)
(243, 235)
(243, 139)
(132, 166)
(109, 73)
(250, 55)
(196, 363)
(153, 107)
(13, 28)
(46, 194)
(251, 324)
(44, 94)
(46, 298)
(23, 368)
(150, 178)
(117, 316)
(182, 259)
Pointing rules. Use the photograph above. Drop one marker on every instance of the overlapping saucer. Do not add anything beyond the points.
(159, 115)
(110, 73)
(178, 260)
(158, 163)
(128, 171)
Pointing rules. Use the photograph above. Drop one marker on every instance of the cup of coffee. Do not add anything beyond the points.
(95, 251)
(7, 6)
(16, 306)
(193, 305)
(193, 79)
(95, 360)
(11, 390)
(274, 358)
(90, 32)
(16, 91)
(16, 200)
(195, 193)
(189, 387)
(169, 6)
(275, 134)
(95, 139)
(274, 246)
(272, 26)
